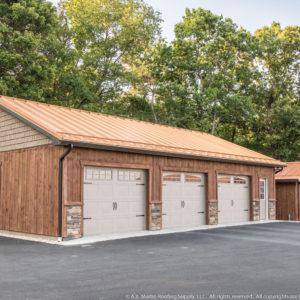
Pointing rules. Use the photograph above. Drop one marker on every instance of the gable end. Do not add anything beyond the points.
(15, 134)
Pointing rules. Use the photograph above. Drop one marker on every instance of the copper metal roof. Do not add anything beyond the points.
(291, 172)
(88, 129)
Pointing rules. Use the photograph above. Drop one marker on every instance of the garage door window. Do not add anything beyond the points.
(171, 177)
(192, 178)
(224, 179)
(129, 175)
(239, 180)
(98, 174)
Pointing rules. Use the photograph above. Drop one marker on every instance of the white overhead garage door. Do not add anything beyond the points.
(114, 200)
(233, 199)
(183, 199)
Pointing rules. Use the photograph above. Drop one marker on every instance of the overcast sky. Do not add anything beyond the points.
(251, 14)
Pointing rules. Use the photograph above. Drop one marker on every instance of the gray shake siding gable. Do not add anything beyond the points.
(14, 134)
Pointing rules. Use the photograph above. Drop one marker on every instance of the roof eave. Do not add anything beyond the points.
(169, 154)
(287, 180)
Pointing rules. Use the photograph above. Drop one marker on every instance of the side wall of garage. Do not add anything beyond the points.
(29, 190)
(155, 166)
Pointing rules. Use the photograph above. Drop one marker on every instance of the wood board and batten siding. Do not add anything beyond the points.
(29, 181)
(28, 178)
(288, 206)
(29, 190)
(155, 165)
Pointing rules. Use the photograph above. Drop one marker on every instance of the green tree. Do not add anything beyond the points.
(69, 82)
(277, 92)
(203, 75)
(27, 40)
(110, 37)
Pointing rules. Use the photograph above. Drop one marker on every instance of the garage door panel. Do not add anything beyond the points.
(90, 191)
(123, 190)
(136, 207)
(121, 223)
(93, 209)
(105, 190)
(113, 199)
(91, 227)
(174, 221)
(137, 190)
(105, 226)
(233, 199)
(183, 196)
(139, 221)
(171, 206)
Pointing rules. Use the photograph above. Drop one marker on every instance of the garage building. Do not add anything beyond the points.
(288, 192)
(72, 173)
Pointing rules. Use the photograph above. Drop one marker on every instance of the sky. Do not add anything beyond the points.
(250, 14)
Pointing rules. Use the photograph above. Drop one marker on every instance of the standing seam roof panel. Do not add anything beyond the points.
(89, 127)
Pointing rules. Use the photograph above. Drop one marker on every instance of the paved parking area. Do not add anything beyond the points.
(244, 262)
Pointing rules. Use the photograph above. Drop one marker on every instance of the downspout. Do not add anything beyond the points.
(60, 191)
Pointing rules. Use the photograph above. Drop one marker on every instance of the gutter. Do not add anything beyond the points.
(278, 170)
(281, 180)
(60, 191)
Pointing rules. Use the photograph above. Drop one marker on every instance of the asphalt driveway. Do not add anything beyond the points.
(246, 262)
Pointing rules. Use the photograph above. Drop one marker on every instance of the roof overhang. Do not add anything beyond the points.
(166, 154)
(281, 180)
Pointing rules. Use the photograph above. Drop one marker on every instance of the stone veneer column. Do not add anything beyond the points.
(212, 202)
(155, 211)
(272, 209)
(255, 210)
(73, 221)
(212, 212)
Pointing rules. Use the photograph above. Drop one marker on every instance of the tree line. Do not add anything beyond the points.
(109, 56)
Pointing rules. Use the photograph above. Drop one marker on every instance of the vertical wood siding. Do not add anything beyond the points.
(29, 190)
(29, 182)
(287, 194)
(73, 194)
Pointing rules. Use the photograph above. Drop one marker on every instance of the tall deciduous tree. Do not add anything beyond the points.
(277, 92)
(204, 72)
(27, 40)
(109, 36)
